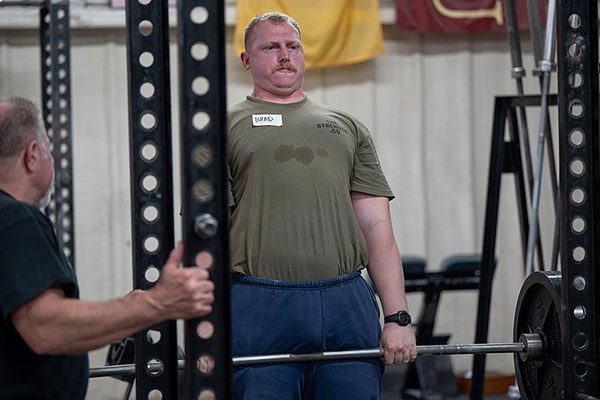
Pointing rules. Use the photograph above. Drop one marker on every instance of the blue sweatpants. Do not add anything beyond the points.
(333, 314)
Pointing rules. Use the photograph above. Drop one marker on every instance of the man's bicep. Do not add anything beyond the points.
(369, 208)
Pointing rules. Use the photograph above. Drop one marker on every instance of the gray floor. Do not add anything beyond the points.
(393, 380)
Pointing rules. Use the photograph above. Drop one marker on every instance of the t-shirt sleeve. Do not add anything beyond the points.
(367, 175)
(230, 197)
(29, 265)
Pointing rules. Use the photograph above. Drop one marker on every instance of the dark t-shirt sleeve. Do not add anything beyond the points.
(367, 175)
(29, 260)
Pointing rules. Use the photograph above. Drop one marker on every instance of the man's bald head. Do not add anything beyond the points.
(20, 123)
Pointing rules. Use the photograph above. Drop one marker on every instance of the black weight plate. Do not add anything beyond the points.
(538, 311)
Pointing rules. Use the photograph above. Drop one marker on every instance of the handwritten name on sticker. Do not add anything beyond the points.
(267, 120)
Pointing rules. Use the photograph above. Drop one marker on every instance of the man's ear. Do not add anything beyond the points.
(245, 57)
(31, 156)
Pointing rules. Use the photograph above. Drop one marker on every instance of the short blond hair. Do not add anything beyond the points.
(20, 123)
(276, 18)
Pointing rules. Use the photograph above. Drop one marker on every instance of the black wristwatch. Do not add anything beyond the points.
(402, 318)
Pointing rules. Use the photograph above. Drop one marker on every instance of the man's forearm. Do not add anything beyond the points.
(53, 324)
(385, 270)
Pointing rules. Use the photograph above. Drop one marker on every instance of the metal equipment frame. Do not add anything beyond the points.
(205, 212)
(580, 176)
(55, 44)
(151, 182)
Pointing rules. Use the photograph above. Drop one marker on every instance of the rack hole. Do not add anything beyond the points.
(577, 167)
(575, 80)
(153, 336)
(574, 21)
(151, 244)
(152, 274)
(147, 90)
(578, 254)
(207, 394)
(149, 183)
(580, 341)
(149, 151)
(150, 213)
(578, 225)
(145, 27)
(155, 394)
(202, 156)
(199, 51)
(200, 86)
(574, 50)
(580, 312)
(148, 121)
(576, 109)
(146, 59)
(581, 369)
(154, 367)
(201, 120)
(203, 191)
(199, 15)
(204, 259)
(577, 196)
(579, 283)
(205, 364)
(205, 330)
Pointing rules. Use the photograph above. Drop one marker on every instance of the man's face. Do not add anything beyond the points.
(275, 57)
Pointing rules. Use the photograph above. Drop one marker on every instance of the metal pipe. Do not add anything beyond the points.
(21, 3)
(526, 345)
(535, 27)
(545, 66)
(518, 72)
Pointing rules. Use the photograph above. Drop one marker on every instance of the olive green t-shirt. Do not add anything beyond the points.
(292, 168)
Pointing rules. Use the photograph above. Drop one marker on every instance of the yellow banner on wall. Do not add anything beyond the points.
(334, 32)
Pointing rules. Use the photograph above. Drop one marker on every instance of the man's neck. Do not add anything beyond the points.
(18, 191)
(294, 97)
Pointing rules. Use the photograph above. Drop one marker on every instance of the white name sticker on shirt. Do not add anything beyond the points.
(267, 120)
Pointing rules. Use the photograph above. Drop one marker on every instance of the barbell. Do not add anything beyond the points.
(529, 347)
(537, 347)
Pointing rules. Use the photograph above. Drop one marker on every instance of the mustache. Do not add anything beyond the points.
(285, 65)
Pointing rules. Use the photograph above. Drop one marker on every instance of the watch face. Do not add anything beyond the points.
(403, 319)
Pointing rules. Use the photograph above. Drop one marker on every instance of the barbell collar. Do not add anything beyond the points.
(534, 347)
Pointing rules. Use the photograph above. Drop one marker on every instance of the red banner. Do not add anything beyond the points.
(459, 16)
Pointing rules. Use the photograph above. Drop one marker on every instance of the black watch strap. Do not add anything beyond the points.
(401, 318)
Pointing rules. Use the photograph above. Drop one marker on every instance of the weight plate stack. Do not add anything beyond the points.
(539, 311)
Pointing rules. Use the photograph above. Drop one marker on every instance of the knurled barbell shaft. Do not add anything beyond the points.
(378, 352)
(530, 344)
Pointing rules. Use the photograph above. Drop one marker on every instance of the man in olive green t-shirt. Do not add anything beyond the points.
(310, 208)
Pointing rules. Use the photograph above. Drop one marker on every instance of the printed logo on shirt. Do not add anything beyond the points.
(267, 120)
(332, 127)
